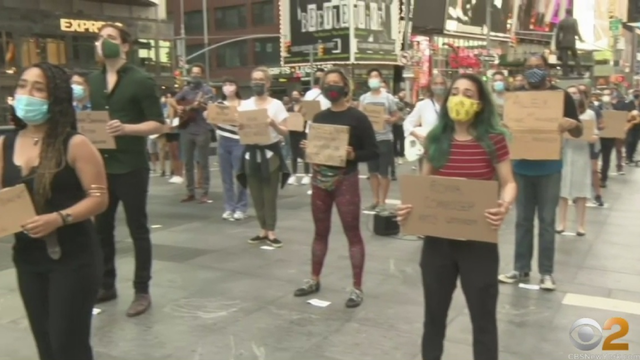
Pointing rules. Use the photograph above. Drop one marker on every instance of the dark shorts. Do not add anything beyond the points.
(382, 165)
(173, 137)
(593, 153)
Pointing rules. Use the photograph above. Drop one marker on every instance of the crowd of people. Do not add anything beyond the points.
(65, 256)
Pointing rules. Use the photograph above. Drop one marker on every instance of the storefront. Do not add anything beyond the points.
(28, 36)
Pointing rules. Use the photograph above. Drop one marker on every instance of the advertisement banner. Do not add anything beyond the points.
(537, 19)
(309, 23)
(377, 32)
(470, 17)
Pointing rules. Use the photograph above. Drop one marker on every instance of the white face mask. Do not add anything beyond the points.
(606, 99)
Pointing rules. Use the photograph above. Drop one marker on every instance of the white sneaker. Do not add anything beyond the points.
(239, 215)
(228, 215)
(309, 192)
(292, 180)
(176, 180)
(306, 180)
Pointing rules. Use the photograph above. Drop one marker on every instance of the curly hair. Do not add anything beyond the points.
(62, 118)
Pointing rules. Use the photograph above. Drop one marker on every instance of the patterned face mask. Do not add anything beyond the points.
(462, 109)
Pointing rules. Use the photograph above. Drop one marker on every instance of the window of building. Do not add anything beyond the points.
(145, 57)
(234, 54)
(83, 52)
(35, 49)
(165, 52)
(7, 53)
(193, 23)
(192, 49)
(263, 13)
(231, 17)
(267, 51)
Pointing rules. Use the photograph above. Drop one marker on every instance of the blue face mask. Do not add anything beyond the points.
(536, 78)
(498, 86)
(31, 110)
(78, 92)
(375, 84)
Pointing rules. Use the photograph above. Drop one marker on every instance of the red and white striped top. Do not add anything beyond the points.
(469, 160)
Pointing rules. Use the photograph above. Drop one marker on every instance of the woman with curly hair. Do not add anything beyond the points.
(57, 255)
(468, 143)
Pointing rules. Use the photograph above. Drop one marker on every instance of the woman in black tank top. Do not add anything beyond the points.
(57, 255)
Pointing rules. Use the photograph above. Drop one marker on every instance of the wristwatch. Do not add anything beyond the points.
(66, 218)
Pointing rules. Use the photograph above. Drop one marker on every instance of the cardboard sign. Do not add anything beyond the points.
(16, 208)
(538, 110)
(589, 130)
(295, 122)
(376, 115)
(615, 123)
(93, 125)
(327, 145)
(220, 114)
(535, 145)
(254, 127)
(309, 109)
(450, 208)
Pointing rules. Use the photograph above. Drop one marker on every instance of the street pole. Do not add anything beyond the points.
(488, 38)
(313, 49)
(407, 40)
(205, 25)
(182, 46)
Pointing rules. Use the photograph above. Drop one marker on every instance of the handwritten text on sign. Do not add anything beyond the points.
(376, 115)
(16, 208)
(450, 208)
(220, 114)
(615, 123)
(327, 144)
(309, 109)
(539, 110)
(254, 127)
(93, 125)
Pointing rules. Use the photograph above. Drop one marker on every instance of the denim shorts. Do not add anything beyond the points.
(382, 165)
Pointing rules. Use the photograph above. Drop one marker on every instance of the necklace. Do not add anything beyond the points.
(36, 140)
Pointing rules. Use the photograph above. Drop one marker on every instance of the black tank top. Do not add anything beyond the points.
(78, 242)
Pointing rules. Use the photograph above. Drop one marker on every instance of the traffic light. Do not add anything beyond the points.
(320, 50)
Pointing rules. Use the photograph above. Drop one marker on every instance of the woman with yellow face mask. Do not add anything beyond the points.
(468, 142)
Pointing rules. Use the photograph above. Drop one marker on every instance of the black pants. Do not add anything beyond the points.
(564, 54)
(131, 189)
(606, 148)
(59, 305)
(295, 138)
(633, 136)
(398, 140)
(477, 265)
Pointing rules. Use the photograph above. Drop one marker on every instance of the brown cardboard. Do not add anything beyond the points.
(376, 115)
(16, 208)
(221, 114)
(309, 109)
(295, 122)
(538, 110)
(327, 144)
(450, 208)
(615, 123)
(254, 127)
(588, 131)
(535, 145)
(93, 125)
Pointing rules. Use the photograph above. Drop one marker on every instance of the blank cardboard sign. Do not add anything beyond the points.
(16, 208)
(615, 124)
(450, 208)
(535, 145)
(254, 127)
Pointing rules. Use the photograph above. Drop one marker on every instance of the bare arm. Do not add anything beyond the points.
(508, 187)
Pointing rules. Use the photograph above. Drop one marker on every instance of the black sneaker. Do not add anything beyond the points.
(275, 242)
(355, 299)
(310, 287)
(163, 174)
(598, 200)
(513, 277)
(547, 283)
(257, 239)
(106, 295)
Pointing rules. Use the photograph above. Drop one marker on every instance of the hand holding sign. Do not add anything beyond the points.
(42, 225)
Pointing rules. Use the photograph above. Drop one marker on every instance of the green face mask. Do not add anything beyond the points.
(110, 50)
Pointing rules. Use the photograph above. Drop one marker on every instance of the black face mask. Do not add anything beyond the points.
(258, 88)
(196, 81)
(636, 96)
(333, 93)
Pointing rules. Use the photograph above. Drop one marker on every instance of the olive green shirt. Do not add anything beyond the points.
(135, 99)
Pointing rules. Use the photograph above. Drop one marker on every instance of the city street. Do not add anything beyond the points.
(215, 297)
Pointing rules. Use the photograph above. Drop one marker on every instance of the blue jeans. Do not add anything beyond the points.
(539, 193)
(230, 159)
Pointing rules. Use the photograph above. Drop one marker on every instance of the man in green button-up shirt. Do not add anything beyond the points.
(131, 97)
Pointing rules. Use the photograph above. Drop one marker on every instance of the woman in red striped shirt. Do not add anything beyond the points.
(468, 142)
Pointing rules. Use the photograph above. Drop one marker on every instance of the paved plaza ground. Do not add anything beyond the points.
(215, 297)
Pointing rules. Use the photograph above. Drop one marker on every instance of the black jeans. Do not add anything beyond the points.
(398, 140)
(633, 136)
(131, 189)
(606, 148)
(295, 138)
(564, 54)
(59, 305)
(477, 265)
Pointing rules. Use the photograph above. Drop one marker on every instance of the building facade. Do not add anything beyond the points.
(232, 22)
(64, 32)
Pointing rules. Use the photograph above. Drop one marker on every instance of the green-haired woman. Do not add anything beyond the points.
(469, 143)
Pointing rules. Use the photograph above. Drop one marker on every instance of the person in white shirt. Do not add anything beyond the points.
(264, 168)
(424, 116)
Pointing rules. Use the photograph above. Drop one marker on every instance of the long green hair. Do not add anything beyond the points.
(485, 123)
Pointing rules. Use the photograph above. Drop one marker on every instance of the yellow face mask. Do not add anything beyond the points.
(462, 109)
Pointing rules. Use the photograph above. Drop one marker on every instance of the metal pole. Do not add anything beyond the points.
(488, 38)
(182, 46)
(311, 78)
(205, 30)
(259, 36)
(407, 40)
